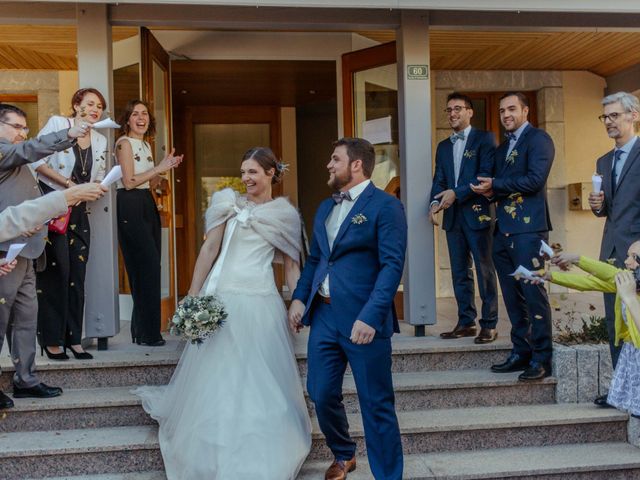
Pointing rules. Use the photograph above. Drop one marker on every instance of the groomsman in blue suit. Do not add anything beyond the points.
(522, 164)
(468, 218)
(345, 294)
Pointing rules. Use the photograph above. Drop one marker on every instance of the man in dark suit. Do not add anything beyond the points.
(522, 165)
(468, 217)
(345, 294)
(619, 199)
(18, 311)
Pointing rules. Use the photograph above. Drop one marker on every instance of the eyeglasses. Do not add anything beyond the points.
(456, 109)
(17, 126)
(612, 117)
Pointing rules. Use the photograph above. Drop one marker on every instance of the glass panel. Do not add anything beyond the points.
(161, 141)
(479, 119)
(219, 149)
(375, 95)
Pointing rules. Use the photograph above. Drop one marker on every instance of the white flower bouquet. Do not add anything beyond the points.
(197, 318)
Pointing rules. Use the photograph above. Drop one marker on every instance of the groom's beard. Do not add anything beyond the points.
(338, 182)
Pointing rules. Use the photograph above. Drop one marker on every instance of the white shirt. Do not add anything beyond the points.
(517, 133)
(142, 159)
(458, 151)
(335, 219)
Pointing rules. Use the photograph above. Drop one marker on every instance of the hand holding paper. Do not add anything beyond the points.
(524, 273)
(545, 250)
(13, 252)
(106, 123)
(113, 176)
(596, 181)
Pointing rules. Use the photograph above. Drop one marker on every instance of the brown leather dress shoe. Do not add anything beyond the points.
(339, 469)
(459, 332)
(486, 335)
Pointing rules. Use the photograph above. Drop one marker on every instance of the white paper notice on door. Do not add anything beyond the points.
(377, 131)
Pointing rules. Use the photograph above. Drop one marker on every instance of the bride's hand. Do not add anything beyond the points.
(296, 310)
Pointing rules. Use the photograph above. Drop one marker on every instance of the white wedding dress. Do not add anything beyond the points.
(235, 409)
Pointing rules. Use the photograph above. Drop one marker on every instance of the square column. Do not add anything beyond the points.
(414, 106)
(102, 316)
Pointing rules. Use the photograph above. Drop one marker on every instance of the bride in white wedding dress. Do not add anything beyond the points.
(234, 408)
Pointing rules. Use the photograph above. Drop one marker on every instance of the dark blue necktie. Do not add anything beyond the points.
(338, 197)
(614, 177)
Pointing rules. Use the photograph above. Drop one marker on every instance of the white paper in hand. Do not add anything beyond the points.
(545, 249)
(106, 123)
(596, 181)
(113, 176)
(524, 273)
(13, 252)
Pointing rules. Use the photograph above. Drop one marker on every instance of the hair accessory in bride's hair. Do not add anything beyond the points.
(282, 167)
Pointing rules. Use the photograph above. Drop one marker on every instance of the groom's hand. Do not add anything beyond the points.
(296, 310)
(361, 333)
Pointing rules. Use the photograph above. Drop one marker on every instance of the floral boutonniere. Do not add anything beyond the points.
(358, 219)
(469, 154)
(511, 159)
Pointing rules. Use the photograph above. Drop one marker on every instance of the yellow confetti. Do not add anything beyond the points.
(535, 262)
(71, 241)
(476, 208)
(2, 301)
(484, 218)
(72, 227)
(510, 209)
(81, 258)
(611, 261)
(526, 219)
(38, 291)
(538, 317)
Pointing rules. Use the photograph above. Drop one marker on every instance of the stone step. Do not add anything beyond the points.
(117, 406)
(593, 461)
(441, 430)
(135, 448)
(118, 369)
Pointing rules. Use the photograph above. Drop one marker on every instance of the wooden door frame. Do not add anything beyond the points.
(152, 51)
(186, 216)
(358, 61)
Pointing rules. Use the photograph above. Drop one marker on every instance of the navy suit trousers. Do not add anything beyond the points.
(328, 354)
(527, 304)
(464, 243)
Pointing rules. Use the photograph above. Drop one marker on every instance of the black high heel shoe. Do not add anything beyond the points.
(79, 355)
(53, 356)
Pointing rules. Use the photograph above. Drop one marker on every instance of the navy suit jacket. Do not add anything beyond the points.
(365, 265)
(477, 161)
(520, 183)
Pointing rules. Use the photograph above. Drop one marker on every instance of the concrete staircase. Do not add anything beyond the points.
(458, 421)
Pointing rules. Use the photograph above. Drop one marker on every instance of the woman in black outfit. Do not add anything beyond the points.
(138, 219)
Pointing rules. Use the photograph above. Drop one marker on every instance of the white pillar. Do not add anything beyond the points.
(102, 316)
(414, 106)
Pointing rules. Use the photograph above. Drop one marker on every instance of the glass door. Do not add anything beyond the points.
(156, 90)
(370, 96)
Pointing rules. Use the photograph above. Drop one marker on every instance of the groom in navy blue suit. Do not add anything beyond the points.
(519, 188)
(468, 218)
(345, 294)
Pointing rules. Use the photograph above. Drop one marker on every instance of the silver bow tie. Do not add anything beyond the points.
(456, 136)
(338, 197)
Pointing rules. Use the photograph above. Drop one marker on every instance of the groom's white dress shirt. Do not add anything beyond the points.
(334, 221)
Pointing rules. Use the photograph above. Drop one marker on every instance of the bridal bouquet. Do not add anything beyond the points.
(197, 318)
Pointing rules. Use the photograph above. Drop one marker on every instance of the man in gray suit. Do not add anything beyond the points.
(619, 199)
(18, 312)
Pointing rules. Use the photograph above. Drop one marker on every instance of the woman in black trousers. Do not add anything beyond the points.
(138, 219)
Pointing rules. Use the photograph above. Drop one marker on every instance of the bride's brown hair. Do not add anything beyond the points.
(267, 160)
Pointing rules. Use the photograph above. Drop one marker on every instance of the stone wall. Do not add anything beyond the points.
(583, 372)
(44, 84)
(549, 88)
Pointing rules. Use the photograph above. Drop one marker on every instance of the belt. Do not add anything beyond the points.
(324, 299)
